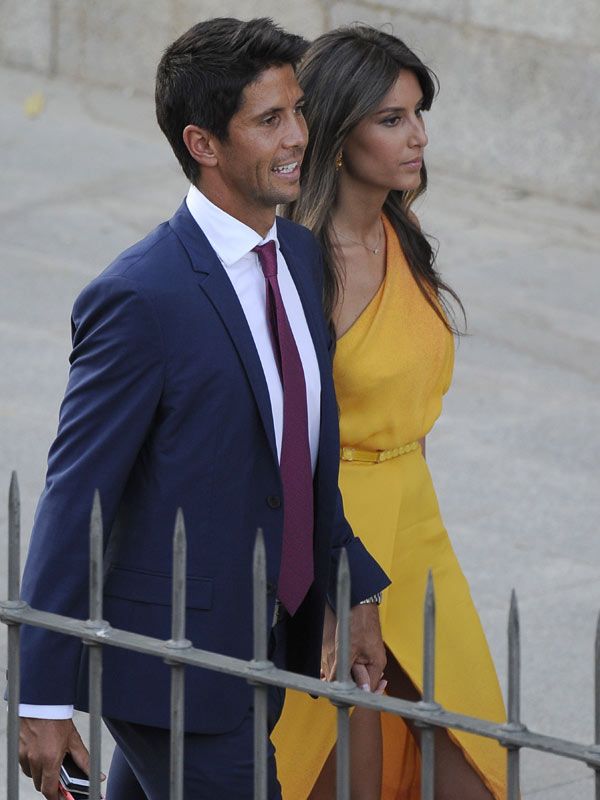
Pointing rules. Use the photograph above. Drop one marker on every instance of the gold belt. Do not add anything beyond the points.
(376, 456)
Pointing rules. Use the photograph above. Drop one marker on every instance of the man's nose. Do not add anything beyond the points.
(296, 134)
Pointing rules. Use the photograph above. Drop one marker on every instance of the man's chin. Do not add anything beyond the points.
(281, 197)
(276, 196)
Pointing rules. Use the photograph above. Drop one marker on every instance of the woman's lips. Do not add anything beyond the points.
(414, 164)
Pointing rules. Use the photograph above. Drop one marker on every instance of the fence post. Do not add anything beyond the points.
(514, 697)
(178, 642)
(95, 623)
(343, 678)
(597, 704)
(513, 735)
(428, 701)
(14, 635)
(260, 661)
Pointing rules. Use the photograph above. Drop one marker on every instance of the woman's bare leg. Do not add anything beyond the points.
(455, 779)
(365, 760)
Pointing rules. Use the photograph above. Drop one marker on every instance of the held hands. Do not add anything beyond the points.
(367, 651)
(43, 744)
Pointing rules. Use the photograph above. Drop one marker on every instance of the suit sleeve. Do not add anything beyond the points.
(114, 387)
(366, 576)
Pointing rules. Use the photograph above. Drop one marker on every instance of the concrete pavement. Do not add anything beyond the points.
(516, 455)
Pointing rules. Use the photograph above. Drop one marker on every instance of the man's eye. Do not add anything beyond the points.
(269, 120)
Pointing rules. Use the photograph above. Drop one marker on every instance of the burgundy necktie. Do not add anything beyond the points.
(297, 570)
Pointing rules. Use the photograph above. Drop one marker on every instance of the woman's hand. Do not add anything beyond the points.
(367, 671)
(328, 646)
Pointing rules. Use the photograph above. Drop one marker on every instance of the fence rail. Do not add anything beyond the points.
(178, 652)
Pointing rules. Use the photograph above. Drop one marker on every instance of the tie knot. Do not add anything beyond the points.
(267, 255)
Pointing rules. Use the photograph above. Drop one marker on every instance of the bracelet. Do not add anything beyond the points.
(375, 598)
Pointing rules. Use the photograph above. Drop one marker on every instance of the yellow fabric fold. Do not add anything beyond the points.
(391, 370)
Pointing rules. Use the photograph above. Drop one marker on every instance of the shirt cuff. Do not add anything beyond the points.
(45, 712)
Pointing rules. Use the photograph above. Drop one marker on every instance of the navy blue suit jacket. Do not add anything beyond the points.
(167, 406)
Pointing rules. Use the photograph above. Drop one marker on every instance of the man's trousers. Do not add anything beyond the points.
(216, 766)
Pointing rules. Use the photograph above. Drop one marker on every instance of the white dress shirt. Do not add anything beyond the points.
(233, 242)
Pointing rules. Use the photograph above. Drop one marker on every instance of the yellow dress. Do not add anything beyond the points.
(391, 370)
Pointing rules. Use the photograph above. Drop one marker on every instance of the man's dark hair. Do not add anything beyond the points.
(202, 75)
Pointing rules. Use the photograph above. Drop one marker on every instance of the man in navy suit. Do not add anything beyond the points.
(200, 378)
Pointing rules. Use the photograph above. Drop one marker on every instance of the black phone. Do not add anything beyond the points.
(74, 779)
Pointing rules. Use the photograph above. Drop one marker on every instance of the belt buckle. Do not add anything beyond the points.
(347, 453)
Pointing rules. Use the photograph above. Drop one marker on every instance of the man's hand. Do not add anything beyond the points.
(367, 651)
(42, 747)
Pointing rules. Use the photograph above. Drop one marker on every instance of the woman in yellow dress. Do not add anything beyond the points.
(365, 97)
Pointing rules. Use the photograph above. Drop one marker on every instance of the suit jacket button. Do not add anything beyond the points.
(271, 588)
(273, 501)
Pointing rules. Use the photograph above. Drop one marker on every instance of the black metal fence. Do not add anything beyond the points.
(178, 652)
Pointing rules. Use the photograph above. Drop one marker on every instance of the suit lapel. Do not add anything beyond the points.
(301, 275)
(216, 285)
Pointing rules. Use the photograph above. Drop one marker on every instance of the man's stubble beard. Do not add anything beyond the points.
(274, 198)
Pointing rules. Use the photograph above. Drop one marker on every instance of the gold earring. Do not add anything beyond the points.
(339, 160)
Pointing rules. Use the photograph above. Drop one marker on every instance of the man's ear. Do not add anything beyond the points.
(199, 143)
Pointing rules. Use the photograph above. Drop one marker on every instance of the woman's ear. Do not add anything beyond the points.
(199, 144)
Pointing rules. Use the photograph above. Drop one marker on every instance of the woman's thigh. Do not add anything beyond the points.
(455, 779)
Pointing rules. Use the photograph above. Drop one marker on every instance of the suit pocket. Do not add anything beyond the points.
(156, 588)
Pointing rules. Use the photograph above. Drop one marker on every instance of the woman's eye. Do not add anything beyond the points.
(392, 121)
(300, 110)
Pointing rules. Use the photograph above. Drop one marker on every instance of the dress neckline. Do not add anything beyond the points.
(380, 288)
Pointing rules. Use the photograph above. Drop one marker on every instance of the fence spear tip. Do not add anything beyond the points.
(343, 563)
(259, 547)
(430, 592)
(14, 501)
(179, 524)
(429, 580)
(96, 517)
(96, 503)
(514, 604)
(14, 481)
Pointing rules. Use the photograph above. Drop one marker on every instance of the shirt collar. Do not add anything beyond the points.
(228, 237)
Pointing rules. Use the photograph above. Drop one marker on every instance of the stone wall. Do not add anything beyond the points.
(519, 102)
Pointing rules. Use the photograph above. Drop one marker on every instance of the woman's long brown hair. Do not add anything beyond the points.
(345, 74)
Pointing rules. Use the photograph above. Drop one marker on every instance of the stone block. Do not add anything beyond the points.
(452, 10)
(123, 42)
(520, 116)
(307, 18)
(70, 37)
(407, 27)
(556, 20)
(26, 33)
